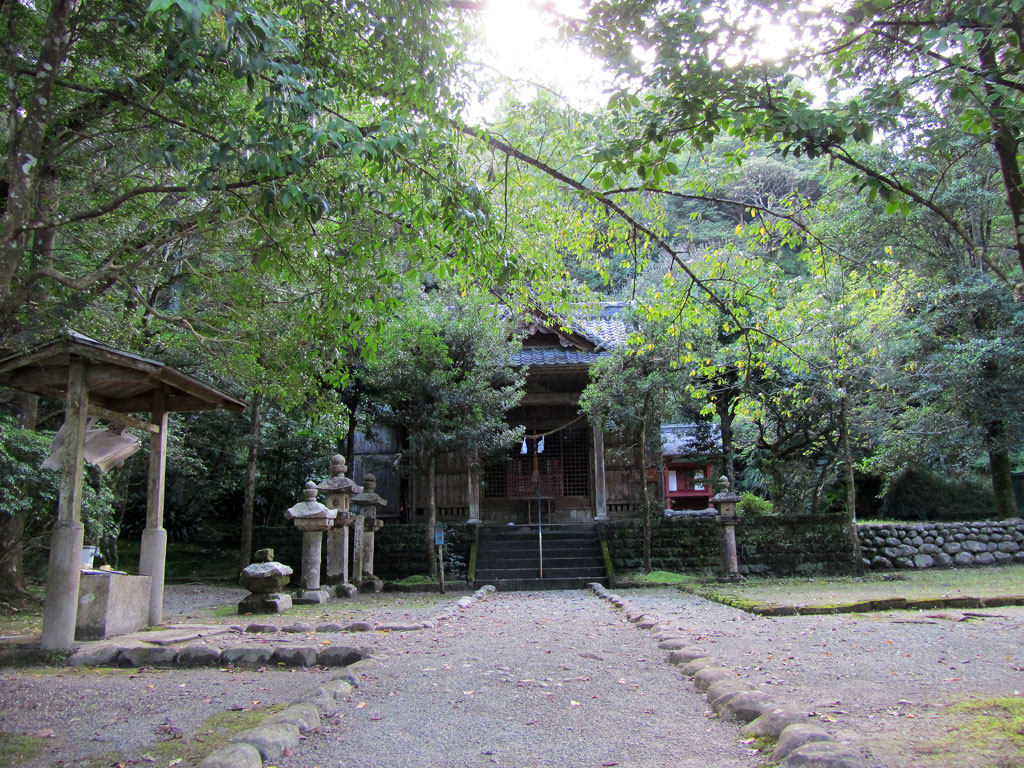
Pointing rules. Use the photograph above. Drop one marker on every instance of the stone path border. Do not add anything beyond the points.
(281, 731)
(860, 606)
(134, 651)
(799, 742)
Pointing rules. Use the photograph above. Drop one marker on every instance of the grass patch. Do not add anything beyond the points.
(17, 748)
(913, 585)
(212, 734)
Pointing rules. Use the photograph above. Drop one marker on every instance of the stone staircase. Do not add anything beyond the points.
(508, 557)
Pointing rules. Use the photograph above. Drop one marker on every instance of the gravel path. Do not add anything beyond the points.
(877, 679)
(548, 679)
(524, 679)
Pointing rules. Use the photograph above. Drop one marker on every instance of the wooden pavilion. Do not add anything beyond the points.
(97, 380)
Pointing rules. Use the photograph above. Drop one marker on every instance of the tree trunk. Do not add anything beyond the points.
(999, 467)
(249, 499)
(851, 488)
(645, 489)
(431, 516)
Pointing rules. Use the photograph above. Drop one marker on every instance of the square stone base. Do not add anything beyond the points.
(111, 603)
(275, 602)
(311, 597)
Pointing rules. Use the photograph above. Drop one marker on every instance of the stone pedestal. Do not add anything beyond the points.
(110, 604)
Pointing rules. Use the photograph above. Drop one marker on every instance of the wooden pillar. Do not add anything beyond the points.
(153, 549)
(60, 611)
(600, 489)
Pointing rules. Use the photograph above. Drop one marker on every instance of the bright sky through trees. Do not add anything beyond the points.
(520, 42)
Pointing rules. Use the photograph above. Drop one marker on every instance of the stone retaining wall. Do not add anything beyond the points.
(942, 545)
(766, 544)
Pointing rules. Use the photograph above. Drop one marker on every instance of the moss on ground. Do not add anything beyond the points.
(212, 734)
(982, 733)
(18, 748)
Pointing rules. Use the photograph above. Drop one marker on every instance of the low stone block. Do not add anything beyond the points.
(697, 665)
(746, 706)
(295, 655)
(147, 656)
(297, 628)
(240, 755)
(824, 754)
(262, 629)
(330, 628)
(303, 716)
(341, 655)
(684, 656)
(198, 655)
(708, 675)
(275, 602)
(795, 736)
(98, 655)
(727, 685)
(674, 644)
(338, 689)
(319, 698)
(270, 741)
(465, 602)
(399, 626)
(773, 721)
(249, 655)
(359, 626)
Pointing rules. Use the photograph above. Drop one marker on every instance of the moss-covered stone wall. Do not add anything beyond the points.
(400, 550)
(769, 544)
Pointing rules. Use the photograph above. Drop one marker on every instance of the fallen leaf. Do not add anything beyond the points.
(573, 703)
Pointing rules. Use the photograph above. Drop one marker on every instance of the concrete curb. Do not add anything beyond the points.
(760, 713)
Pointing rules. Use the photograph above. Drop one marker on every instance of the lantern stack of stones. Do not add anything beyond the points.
(365, 505)
(313, 519)
(338, 491)
(265, 579)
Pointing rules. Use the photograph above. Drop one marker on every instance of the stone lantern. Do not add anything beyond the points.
(365, 506)
(337, 491)
(725, 502)
(313, 519)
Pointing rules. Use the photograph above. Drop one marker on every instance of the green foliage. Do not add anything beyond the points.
(920, 494)
(751, 504)
(31, 491)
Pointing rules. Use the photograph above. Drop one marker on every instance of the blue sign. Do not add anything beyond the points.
(438, 536)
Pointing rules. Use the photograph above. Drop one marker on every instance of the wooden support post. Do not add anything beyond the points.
(60, 611)
(600, 489)
(153, 550)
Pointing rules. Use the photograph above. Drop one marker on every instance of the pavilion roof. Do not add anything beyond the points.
(119, 381)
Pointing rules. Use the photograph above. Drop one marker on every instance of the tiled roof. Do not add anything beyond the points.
(605, 331)
(553, 356)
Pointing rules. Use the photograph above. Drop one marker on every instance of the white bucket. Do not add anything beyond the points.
(88, 555)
